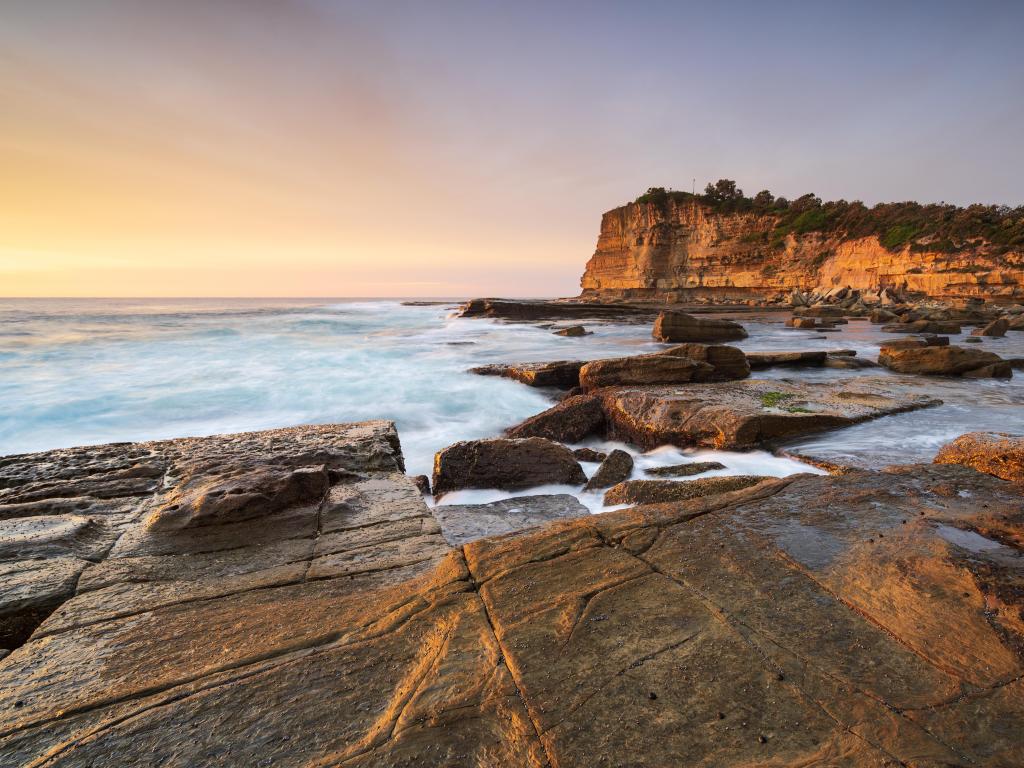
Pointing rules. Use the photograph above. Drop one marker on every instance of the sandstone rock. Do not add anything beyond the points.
(915, 342)
(943, 361)
(589, 454)
(761, 360)
(573, 331)
(678, 364)
(422, 483)
(923, 326)
(995, 328)
(994, 453)
(569, 421)
(882, 316)
(562, 374)
(849, 363)
(861, 607)
(972, 340)
(659, 491)
(502, 463)
(463, 523)
(1002, 370)
(616, 468)
(511, 309)
(747, 413)
(677, 327)
(805, 322)
(685, 470)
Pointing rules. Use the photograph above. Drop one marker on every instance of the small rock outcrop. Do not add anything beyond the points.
(508, 464)
(996, 328)
(660, 491)
(994, 453)
(949, 360)
(679, 327)
(569, 421)
(616, 468)
(685, 470)
(677, 365)
(573, 331)
(589, 454)
(562, 374)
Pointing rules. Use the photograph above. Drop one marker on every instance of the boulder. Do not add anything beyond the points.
(972, 340)
(660, 491)
(676, 327)
(995, 453)
(507, 464)
(616, 468)
(995, 328)
(573, 331)
(805, 322)
(463, 523)
(569, 421)
(745, 414)
(685, 470)
(915, 342)
(676, 365)
(589, 454)
(882, 316)
(422, 483)
(944, 361)
(563, 374)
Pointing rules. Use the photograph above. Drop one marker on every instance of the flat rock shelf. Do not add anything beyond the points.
(287, 598)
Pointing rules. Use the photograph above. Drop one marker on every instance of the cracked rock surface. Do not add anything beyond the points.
(867, 619)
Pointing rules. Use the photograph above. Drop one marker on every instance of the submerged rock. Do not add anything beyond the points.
(685, 470)
(761, 360)
(994, 453)
(503, 463)
(573, 331)
(923, 326)
(676, 327)
(659, 491)
(616, 468)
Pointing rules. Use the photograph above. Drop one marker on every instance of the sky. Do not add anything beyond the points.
(328, 148)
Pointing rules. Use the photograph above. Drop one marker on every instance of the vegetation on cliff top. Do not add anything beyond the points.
(934, 227)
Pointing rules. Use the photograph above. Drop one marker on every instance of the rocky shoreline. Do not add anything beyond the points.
(290, 597)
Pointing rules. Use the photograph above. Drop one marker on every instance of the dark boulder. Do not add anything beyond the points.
(506, 464)
(569, 421)
(658, 491)
(616, 468)
(675, 327)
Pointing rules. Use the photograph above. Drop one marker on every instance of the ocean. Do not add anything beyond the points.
(79, 372)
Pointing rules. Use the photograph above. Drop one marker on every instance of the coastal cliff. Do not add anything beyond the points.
(675, 247)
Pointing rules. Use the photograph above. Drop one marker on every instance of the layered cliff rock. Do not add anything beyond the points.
(677, 250)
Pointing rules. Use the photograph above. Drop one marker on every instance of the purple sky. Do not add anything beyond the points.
(452, 148)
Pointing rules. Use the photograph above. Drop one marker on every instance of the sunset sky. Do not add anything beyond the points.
(315, 148)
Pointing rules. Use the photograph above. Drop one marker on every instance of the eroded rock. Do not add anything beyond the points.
(616, 468)
(659, 491)
(463, 523)
(944, 361)
(678, 327)
(994, 453)
(504, 463)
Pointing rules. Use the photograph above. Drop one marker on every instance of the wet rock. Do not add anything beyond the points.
(995, 328)
(660, 491)
(994, 453)
(761, 360)
(685, 470)
(573, 331)
(923, 326)
(944, 361)
(849, 363)
(809, 610)
(677, 327)
(913, 342)
(510, 309)
(589, 454)
(747, 413)
(616, 468)
(569, 421)
(463, 523)
(972, 340)
(882, 316)
(679, 364)
(563, 374)
(507, 464)
(422, 483)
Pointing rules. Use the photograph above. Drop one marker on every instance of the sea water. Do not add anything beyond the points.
(78, 372)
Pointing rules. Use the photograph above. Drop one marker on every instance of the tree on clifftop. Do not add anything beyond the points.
(723, 190)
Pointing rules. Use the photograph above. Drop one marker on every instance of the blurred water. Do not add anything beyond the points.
(75, 372)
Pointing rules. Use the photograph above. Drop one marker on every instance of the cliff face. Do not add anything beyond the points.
(684, 250)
